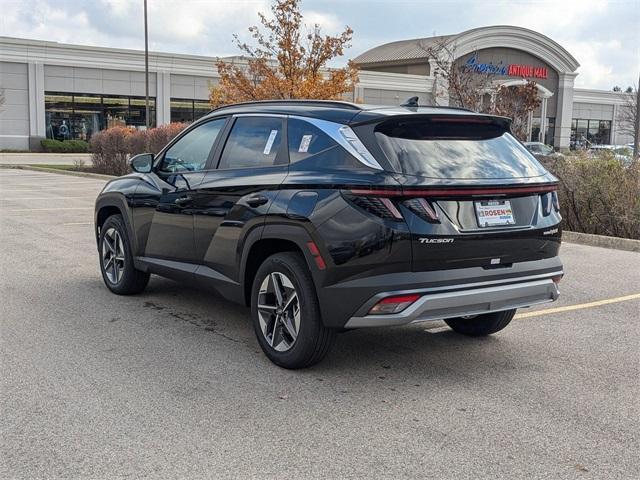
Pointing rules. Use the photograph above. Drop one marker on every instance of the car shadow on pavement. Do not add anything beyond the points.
(417, 352)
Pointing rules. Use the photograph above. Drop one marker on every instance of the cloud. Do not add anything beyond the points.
(602, 35)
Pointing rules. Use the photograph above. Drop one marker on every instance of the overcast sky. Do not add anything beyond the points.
(604, 36)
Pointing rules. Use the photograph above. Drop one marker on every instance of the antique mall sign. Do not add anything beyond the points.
(511, 70)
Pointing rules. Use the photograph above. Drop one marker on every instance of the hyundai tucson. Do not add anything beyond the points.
(325, 216)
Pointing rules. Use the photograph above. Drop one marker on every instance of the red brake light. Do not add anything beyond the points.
(393, 304)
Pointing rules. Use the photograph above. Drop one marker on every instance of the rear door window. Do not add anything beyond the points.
(253, 142)
(455, 148)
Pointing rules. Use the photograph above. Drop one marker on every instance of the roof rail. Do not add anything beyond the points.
(312, 103)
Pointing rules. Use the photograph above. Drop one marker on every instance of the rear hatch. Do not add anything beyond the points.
(472, 195)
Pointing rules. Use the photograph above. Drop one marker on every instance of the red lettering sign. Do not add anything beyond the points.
(515, 70)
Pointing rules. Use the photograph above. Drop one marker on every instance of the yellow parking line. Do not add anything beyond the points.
(580, 306)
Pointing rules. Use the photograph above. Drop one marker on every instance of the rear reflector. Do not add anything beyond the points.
(393, 304)
(315, 253)
(557, 278)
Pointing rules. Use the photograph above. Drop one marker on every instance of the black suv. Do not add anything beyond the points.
(325, 216)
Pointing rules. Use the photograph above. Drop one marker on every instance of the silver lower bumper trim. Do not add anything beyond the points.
(475, 301)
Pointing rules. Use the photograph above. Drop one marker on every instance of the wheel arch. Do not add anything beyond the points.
(274, 239)
(109, 204)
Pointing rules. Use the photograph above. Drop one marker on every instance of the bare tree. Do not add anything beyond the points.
(628, 118)
(468, 85)
(465, 87)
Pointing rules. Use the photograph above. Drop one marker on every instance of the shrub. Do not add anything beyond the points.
(598, 194)
(112, 147)
(157, 138)
(110, 152)
(64, 146)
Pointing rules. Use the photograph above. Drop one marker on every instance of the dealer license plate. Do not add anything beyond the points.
(494, 213)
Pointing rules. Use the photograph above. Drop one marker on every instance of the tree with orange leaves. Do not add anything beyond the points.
(286, 63)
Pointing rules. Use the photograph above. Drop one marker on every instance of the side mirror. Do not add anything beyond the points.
(142, 163)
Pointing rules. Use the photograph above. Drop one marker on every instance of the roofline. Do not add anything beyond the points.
(295, 101)
(536, 42)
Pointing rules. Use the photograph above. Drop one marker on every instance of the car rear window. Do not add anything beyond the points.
(455, 148)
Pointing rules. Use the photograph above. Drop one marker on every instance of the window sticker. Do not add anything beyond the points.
(270, 140)
(304, 143)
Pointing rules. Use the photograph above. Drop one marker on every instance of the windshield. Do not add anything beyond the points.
(455, 150)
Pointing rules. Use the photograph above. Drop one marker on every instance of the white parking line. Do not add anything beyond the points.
(47, 209)
(61, 197)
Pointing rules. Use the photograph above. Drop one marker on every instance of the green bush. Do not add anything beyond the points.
(598, 194)
(64, 146)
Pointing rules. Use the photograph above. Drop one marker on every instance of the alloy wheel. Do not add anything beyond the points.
(113, 255)
(279, 311)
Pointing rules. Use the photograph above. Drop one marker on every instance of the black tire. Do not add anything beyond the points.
(481, 325)
(131, 281)
(313, 340)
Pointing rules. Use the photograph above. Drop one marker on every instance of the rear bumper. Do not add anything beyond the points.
(462, 302)
(353, 298)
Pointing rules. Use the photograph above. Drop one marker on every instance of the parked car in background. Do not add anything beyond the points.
(329, 216)
(541, 149)
(623, 153)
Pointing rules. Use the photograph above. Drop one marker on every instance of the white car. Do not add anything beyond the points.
(539, 148)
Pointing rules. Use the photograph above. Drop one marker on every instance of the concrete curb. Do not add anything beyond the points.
(617, 243)
(60, 171)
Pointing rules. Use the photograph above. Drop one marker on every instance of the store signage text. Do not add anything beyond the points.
(512, 70)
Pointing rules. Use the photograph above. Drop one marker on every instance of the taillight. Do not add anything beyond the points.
(555, 201)
(382, 207)
(393, 304)
(549, 201)
(423, 208)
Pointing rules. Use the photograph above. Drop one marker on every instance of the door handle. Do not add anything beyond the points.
(183, 201)
(257, 201)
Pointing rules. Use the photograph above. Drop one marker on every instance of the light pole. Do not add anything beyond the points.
(146, 68)
(636, 123)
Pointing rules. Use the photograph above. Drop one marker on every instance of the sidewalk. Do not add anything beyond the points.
(44, 158)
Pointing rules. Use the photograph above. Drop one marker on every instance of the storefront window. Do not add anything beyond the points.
(187, 111)
(200, 109)
(181, 111)
(535, 129)
(80, 116)
(585, 133)
(549, 136)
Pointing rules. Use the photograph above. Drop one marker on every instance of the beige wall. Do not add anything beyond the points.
(377, 96)
(95, 80)
(190, 86)
(592, 111)
(14, 114)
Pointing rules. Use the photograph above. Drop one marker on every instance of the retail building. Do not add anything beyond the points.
(55, 90)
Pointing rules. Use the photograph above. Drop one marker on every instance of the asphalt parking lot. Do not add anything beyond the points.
(172, 383)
